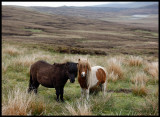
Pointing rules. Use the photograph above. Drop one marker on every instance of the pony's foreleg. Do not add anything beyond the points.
(57, 93)
(82, 93)
(87, 93)
(61, 93)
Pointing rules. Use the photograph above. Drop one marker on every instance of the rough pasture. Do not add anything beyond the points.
(135, 92)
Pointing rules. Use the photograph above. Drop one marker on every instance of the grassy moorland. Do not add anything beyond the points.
(132, 85)
(129, 54)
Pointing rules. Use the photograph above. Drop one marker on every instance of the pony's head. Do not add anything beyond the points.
(83, 68)
(71, 71)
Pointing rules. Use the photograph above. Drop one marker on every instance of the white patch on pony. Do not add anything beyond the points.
(83, 74)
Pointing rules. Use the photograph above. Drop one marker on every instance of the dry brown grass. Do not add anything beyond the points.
(22, 103)
(135, 61)
(82, 108)
(4, 67)
(115, 67)
(152, 69)
(140, 89)
(112, 77)
(17, 104)
(24, 60)
(156, 92)
(11, 50)
(28, 60)
(37, 107)
(140, 77)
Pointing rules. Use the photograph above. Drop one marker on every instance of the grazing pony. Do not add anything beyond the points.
(52, 76)
(90, 77)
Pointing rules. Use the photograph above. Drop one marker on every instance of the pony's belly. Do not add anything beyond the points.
(45, 81)
(48, 86)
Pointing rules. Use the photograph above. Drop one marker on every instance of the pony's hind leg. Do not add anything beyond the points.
(35, 87)
(30, 84)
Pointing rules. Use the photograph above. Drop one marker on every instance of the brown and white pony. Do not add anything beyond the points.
(89, 77)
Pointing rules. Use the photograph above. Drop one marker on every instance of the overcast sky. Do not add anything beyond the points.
(57, 4)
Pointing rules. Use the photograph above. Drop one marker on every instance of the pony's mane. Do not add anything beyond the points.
(85, 62)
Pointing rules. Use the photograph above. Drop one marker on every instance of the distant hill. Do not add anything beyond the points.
(100, 12)
(127, 5)
(150, 9)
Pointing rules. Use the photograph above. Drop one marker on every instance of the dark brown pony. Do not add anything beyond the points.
(52, 76)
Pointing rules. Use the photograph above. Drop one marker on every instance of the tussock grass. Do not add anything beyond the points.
(152, 69)
(140, 77)
(115, 69)
(12, 51)
(28, 60)
(17, 103)
(22, 103)
(80, 108)
(112, 77)
(139, 87)
(4, 67)
(24, 61)
(135, 61)
(156, 92)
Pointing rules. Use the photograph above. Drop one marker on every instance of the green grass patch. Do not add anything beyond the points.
(33, 30)
(113, 103)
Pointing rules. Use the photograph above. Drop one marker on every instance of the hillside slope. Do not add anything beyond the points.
(76, 34)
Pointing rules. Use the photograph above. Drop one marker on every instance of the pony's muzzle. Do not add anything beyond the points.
(72, 78)
(72, 81)
(83, 74)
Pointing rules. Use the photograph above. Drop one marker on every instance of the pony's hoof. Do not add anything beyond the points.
(57, 100)
(62, 101)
